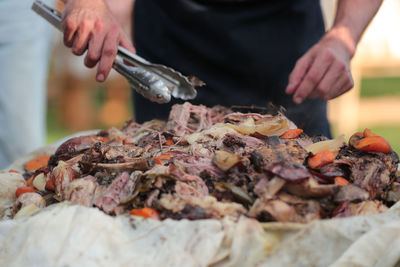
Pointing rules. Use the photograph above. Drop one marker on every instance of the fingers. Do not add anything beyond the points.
(94, 49)
(336, 70)
(108, 53)
(343, 84)
(299, 70)
(313, 76)
(125, 43)
(70, 26)
(81, 38)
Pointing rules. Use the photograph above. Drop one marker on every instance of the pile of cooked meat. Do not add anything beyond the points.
(212, 163)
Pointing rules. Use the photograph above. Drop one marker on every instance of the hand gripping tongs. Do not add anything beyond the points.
(155, 82)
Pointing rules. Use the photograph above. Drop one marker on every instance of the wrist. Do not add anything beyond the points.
(345, 37)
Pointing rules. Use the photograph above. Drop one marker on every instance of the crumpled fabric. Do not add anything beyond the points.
(70, 235)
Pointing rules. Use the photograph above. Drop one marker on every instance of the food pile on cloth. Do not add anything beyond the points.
(209, 187)
(214, 163)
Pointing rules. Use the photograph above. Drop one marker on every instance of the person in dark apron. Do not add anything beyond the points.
(249, 52)
(244, 52)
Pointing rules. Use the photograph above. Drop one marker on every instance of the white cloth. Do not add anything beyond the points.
(64, 235)
(25, 42)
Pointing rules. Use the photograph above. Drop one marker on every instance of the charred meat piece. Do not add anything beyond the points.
(290, 152)
(350, 193)
(372, 171)
(289, 172)
(332, 170)
(74, 146)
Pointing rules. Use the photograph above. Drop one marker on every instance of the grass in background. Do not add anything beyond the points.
(377, 87)
(55, 130)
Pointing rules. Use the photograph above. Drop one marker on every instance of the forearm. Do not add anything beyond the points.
(352, 18)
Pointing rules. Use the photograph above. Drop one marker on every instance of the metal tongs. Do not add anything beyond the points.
(155, 82)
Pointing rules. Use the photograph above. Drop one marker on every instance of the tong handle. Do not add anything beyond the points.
(51, 15)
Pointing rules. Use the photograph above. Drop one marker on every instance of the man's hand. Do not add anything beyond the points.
(89, 25)
(324, 71)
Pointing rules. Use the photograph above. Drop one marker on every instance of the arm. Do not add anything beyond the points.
(90, 25)
(324, 71)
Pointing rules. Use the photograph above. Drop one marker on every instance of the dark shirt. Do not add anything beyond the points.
(243, 50)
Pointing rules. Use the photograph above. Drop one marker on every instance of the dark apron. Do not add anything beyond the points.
(244, 51)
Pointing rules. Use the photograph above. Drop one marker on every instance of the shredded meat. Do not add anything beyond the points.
(213, 163)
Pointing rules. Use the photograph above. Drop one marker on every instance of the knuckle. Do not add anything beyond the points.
(77, 51)
(114, 28)
(329, 55)
(92, 56)
(89, 63)
(84, 26)
(322, 89)
(69, 23)
(109, 52)
(313, 77)
(99, 26)
(350, 84)
(67, 43)
(340, 65)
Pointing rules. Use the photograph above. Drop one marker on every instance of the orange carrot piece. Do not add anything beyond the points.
(341, 181)
(24, 189)
(162, 159)
(169, 142)
(145, 213)
(320, 159)
(37, 163)
(30, 180)
(13, 171)
(291, 133)
(126, 141)
(368, 133)
(373, 144)
(102, 139)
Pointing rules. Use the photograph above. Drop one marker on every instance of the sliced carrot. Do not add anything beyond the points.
(169, 142)
(368, 133)
(23, 190)
(291, 133)
(30, 180)
(13, 171)
(126, 141)
(37, 163)
(341, 181)
(373, 144)
(102, 139)
(162, 159)
(145, 213)
(320, 159)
